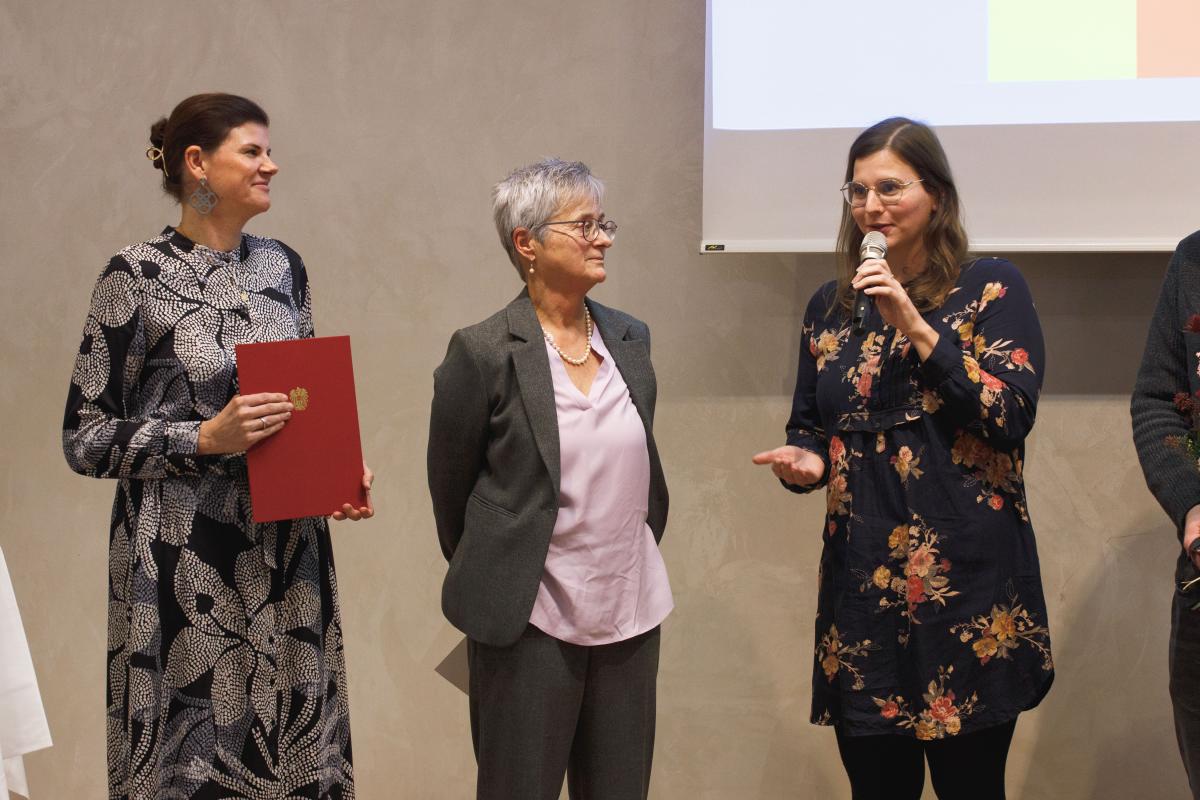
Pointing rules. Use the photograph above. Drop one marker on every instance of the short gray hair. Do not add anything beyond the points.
(531, 194)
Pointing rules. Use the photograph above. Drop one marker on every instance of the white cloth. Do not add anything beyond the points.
(23, 727)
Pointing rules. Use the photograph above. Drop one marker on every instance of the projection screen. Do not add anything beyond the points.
(1071, 125)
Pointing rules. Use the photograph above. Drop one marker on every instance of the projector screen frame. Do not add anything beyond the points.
(1135, 185)
(716, 247)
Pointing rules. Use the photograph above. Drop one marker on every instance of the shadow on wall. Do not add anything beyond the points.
(1095, 310)
(751, 739)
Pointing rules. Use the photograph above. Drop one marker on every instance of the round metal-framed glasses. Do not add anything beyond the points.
(889, 191)
(589, 228)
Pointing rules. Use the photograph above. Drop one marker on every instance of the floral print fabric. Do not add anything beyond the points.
(225, 666)
(931, 619)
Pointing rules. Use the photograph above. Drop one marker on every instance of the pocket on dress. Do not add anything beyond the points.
(858, 628)
(875, 576)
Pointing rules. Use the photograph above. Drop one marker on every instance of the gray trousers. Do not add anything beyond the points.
(542, 708)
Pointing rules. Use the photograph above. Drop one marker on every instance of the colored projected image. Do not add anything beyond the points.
(803, 64)
(1091, 40)
(1166, 39)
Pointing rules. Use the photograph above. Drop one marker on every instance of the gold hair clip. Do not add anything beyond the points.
(156, 154)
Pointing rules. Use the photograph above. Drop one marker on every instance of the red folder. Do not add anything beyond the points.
(314, 465)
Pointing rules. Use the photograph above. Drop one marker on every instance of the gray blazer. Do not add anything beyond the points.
(493, 461)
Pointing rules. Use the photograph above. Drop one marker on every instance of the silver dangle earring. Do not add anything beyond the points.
(531, 266)
(204, 199)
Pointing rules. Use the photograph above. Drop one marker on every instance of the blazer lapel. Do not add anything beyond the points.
(532, 368)
(631, 357)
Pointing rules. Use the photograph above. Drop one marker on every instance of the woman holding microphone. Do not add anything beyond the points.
(931, 632)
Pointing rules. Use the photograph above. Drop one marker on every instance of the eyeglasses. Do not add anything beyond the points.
(589, 228)
(889, 191)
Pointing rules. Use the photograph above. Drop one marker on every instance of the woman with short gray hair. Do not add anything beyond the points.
(550, 501)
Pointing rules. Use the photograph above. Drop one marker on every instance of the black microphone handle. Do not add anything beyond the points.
(858, 320)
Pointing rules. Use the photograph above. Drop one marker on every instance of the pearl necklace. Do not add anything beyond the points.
(578, 362)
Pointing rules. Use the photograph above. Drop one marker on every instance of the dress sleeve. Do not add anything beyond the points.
(1172, 476)
(103, 436)
(458, 438)
(301, 294)
(988, 372)
(804, 428)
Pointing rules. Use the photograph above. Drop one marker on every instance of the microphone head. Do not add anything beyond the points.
(874, 245)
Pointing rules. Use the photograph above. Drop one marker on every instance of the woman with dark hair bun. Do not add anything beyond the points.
(225, 666)
(931, 634)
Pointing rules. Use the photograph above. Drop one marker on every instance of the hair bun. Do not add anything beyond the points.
(158, 132)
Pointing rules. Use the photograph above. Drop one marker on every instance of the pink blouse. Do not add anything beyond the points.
(604, 580)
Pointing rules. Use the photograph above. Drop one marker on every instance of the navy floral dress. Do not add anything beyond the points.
(930, 620)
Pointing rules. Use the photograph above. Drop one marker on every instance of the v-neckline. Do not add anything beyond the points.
(599, 381)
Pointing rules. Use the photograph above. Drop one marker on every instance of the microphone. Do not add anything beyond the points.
(874, 245)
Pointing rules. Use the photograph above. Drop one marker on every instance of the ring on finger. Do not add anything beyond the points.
(263, 420)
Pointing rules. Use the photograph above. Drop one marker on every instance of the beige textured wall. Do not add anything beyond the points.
(391, 120)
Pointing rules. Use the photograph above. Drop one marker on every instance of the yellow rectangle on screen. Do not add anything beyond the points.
(1062, 40)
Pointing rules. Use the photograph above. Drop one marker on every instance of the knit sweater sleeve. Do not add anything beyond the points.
(1168, 372)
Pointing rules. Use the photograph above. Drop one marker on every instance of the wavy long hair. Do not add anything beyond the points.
(945, 238)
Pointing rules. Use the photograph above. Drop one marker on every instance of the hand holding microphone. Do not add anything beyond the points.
(874, 245)
(874, 282)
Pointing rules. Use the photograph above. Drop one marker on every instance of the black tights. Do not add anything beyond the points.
(969, 766)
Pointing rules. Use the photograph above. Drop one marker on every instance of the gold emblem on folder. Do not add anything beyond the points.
(299, 398)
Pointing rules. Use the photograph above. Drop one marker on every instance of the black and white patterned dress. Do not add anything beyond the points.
(226, 676)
